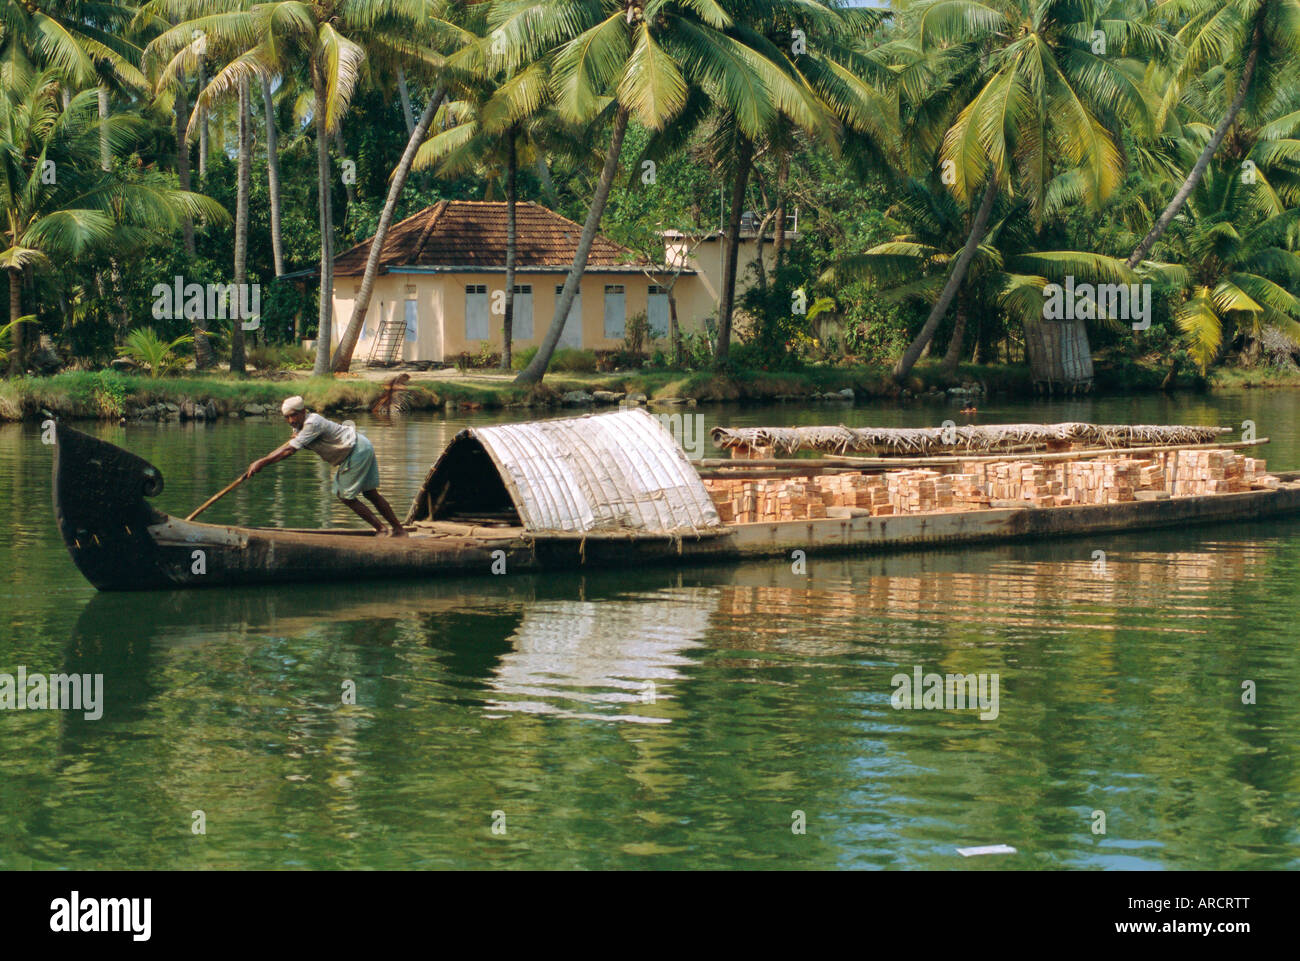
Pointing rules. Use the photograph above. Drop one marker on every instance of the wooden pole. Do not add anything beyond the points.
(733, 467)
(216, 497)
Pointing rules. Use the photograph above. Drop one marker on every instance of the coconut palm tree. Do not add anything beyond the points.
(1007, 272)
(1255, 42)
(1236, 265)
(832, 71)
(618, 59)
(504, 117)
(443, 25)
(270, 37)
(83, 208)
(1023, 86)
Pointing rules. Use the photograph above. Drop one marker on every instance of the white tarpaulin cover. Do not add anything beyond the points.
(602, 472)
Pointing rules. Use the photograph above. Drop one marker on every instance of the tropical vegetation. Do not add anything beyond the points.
(947, 164)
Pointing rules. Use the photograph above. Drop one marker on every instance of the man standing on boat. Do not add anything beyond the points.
(342, 446)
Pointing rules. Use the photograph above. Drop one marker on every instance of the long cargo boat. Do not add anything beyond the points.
(597, 492)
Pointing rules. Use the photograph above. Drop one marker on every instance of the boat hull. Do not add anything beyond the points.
(120, 542)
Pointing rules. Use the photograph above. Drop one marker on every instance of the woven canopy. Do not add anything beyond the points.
(606, 472)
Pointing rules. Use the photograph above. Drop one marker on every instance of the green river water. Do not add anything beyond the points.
(658, 718)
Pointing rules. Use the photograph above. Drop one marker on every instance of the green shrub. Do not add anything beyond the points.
(271, 357)
(149, 350)
(522, 358)
(574, 361)
(5, 337)
(108, 395)
(263, 358)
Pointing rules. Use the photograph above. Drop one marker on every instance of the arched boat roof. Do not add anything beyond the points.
(612, 472)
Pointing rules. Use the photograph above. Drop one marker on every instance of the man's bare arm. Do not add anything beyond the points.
(277, 455)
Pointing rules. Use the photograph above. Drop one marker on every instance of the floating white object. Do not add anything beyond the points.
(987, 849)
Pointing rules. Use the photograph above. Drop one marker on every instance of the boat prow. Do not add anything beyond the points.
(100, 505)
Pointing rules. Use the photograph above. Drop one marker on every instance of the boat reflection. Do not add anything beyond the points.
(569, 658)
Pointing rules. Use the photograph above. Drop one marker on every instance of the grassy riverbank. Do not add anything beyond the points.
(108, 395)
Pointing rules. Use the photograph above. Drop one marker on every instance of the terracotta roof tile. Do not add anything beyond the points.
(472, 233)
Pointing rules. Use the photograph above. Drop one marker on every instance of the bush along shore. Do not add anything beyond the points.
(110, 395)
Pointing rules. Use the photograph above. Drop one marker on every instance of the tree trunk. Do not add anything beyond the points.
(273, 177)
(674, 331)
(204, 357)
(405, 94)
(409, 116)
(15, 311)
(512, 173)
(106, 164)
(731, 249)
(348, 342)
(533, 373)
(203, 126)
(323, 333)
(778, 234)
(1203, 161)
(548, 185)
(180, 111)
(953, 355)
(349, 185)
(978, 227)
(105, 154)
(242, 183)
(758, 258)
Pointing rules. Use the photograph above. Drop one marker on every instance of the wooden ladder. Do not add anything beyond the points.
(388, 341)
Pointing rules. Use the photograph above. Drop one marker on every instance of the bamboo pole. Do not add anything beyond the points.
(818, 465)
(216, 497)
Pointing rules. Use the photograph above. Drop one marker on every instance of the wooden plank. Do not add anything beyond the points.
(812, 464)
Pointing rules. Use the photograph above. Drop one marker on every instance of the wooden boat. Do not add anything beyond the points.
(599, 492)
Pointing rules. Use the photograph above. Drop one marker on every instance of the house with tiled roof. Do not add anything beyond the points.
(440, 291)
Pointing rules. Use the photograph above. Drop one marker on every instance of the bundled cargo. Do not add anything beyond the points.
(977, 485)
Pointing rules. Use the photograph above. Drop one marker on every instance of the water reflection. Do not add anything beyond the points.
(610, 653)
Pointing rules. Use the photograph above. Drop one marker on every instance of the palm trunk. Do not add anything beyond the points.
(1203, 161)
(242, 183)
(408, 115)
(731, 249)
(349, 187)
(323, 331)
(533, 373)
(180, 110)
(405, 94)
(548, 185)
(674, 330)
(273, 177)
(978, 227)
(15, 311)
(953, 355)
(203, 126)
(348, 342)
(105, 154)
(512, 171)
(106, 164)
(778, 234)
(204, 356)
